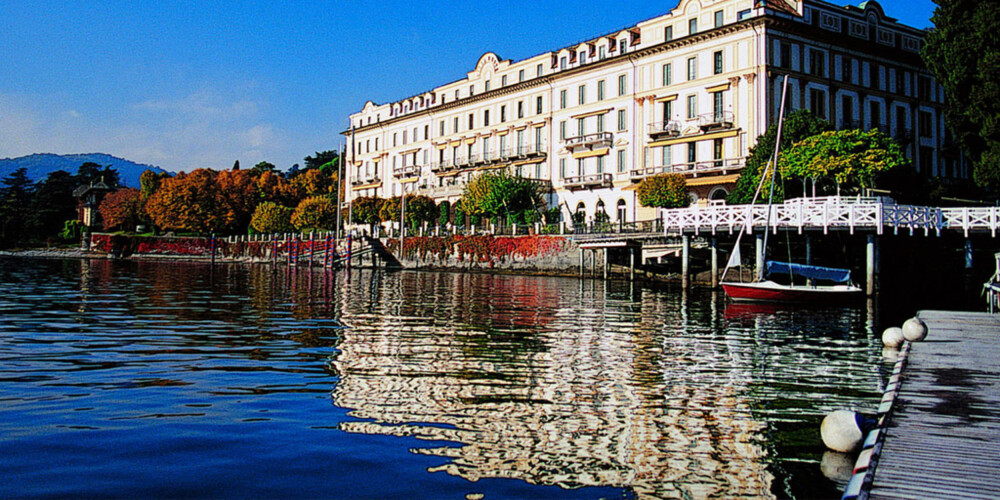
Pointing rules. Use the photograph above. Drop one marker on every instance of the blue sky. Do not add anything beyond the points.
(184, 85)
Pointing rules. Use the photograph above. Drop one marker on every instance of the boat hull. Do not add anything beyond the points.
(769, 291)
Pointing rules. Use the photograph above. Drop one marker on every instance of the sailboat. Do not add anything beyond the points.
(816, 284)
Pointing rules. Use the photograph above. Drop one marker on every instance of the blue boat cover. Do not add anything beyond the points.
(809, 272)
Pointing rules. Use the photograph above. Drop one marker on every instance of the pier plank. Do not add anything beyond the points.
(944, 436)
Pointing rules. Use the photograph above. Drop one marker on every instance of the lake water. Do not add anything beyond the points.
(126, 379)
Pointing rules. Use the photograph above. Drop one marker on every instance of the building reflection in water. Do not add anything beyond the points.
(554, 382)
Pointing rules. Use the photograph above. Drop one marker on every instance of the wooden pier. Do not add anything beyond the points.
(943, 433)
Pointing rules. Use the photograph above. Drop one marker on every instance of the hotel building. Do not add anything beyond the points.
(687, 92)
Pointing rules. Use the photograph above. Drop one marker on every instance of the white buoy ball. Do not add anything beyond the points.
(890, 354)
(837, 467)
(892, 336)
(914, 330)
(840, 431)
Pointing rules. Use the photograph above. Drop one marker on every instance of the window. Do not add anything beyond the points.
(621, 161)
(538, 105)
(875, 113)
(472, 90)
(717, 152)
(718, 19)
(393, 140)
(668, 33)
(925, 124)
(817, 61)
(668, 107)
(692, 26)
(600, 123)
(472, 121)
(924, 88)
(717, 63)
(600, 90)
(486, 86)
(503, 81)
(582, 58)
(622, 84)
(520, 76)
(785, 53)
(503, 144)
(601, 53)
(486, 118)
(454, 128)
(667, 74)
(692, 68)
(456, 94)
(520, 109)
(621, 120)
(427, 132)
(581, 127)
(692, 152)
(538, 138)
(562, 99)
(581, 94)
(717, 102)
(538, 70)
(441, 127)
(845, 69)
(817, 102)
(600, 164)
(562, 62)
(562, 130)
(692, 107)
(562, 168)
(847, 110)
(503, 113)
(622, 44)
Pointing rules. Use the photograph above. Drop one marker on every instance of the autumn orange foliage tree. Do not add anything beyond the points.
(269, 217)
(316, 213)
(191, 202)
(121, 209)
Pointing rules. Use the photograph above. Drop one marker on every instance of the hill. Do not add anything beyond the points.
(40, 165)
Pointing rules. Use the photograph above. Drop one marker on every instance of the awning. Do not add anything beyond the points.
(713, 179)
(694, 138)
(833, 274)
(588, 154)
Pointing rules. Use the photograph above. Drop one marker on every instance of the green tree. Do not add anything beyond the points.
(853, 159)
(963, 52)
(52, 204)
(420, 209)
(315, 213)
(320, 159)
(269, 217)
(663, 191)
(15, 201)
(500, 195)
(797, 126)
(444, 213)
(367, 210)
(262, 167)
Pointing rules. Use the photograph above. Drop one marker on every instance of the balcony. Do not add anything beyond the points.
(670, 128)
(366, 179)
(525, 151)
(590, 181)
(406, 172)
(590, 141)
(723, 166)
(716, 121)
(443, 167)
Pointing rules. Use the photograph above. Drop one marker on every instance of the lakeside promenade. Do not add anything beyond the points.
(943, 434)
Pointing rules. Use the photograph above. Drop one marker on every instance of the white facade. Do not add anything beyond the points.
(688, 92)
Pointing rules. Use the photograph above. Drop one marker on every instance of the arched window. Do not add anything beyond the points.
(600, 214)
(719, 193)
(621, 211)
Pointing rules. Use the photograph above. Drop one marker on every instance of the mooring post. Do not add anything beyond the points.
(213, 249)
(631, 263)
(870, 265)
(715, 261)
(607, 263)
(581, 261)
(968, 253)
(759, 256)
(685, 260)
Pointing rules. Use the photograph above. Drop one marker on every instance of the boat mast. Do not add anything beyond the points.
(774, 169)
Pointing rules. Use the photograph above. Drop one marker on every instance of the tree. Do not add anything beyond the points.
(269, 217)
(420, 209)
(367, 210)
(313, 183)
(236, 165)
(15, 199)
(238, 193)
(851, 158)
(191, 202)
(320, 159)
(90, 172)
(444, 213)
(121, 209)
(262, 167)
(273, 187)
(501, 195)
(389, 210)
(52, 203)
(663, 191)
(797, 126)
(963, 52)
(315, 213)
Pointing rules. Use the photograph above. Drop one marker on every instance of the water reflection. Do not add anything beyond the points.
(575, 383)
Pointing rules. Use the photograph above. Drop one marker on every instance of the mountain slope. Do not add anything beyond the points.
(40, 165)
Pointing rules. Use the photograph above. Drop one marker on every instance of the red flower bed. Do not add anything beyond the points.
(479, 248)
